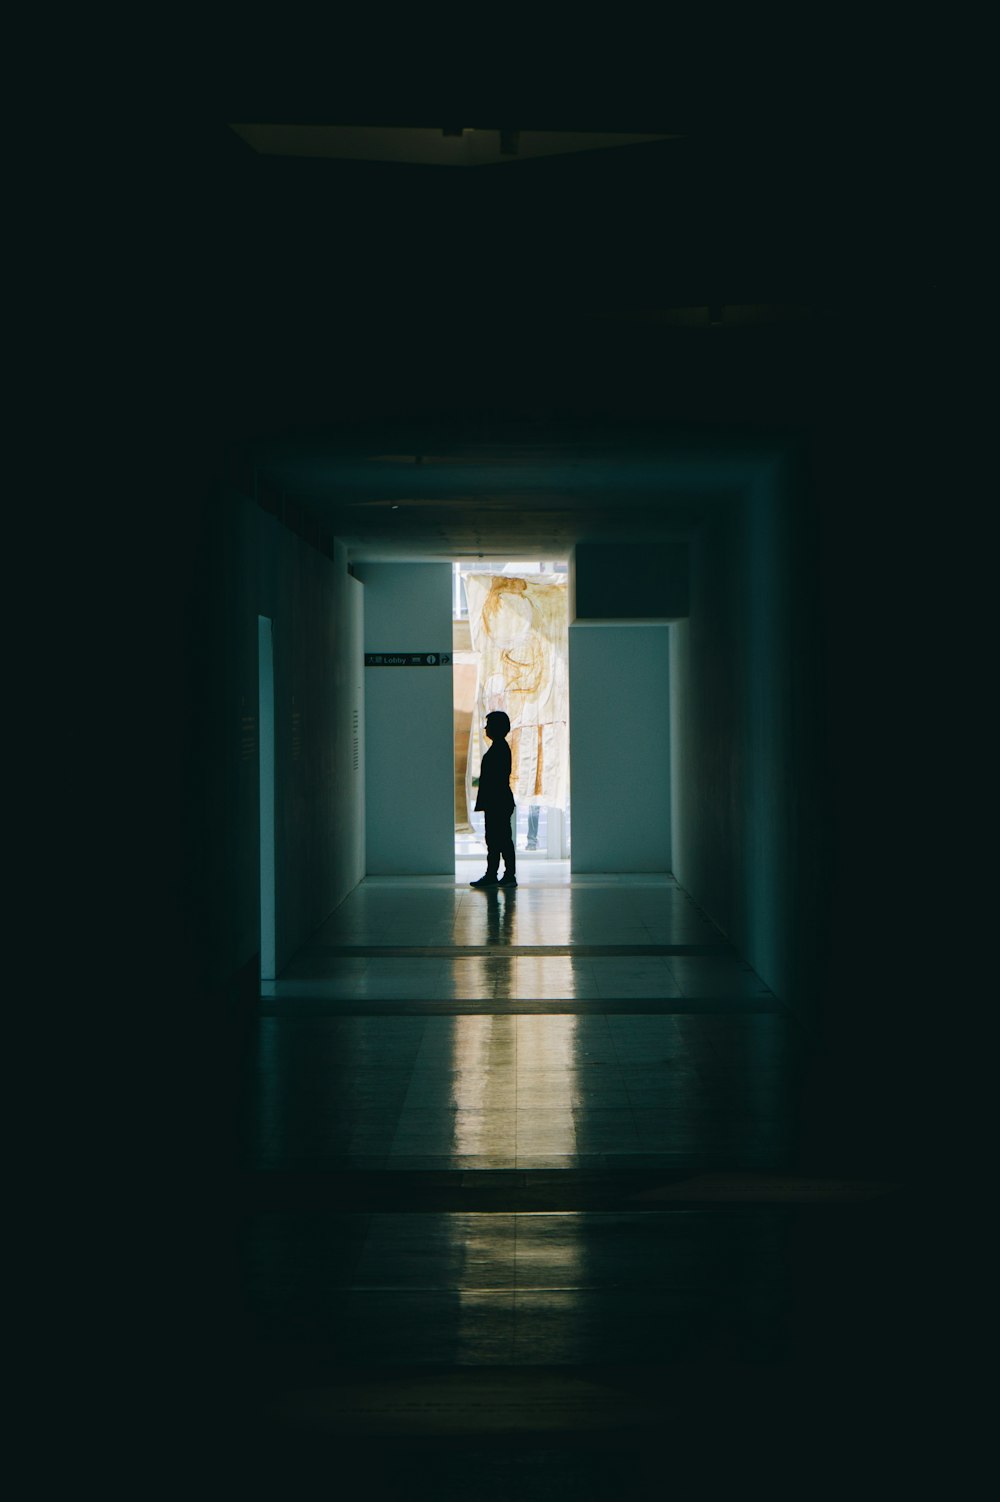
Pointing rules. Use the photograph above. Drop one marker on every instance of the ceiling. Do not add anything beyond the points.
(570, 342)
(429, 146)
(508, 499)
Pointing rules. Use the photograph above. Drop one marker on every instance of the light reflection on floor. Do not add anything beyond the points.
(582, 1028)
(431, 939)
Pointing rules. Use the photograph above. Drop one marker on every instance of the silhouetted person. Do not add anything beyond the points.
(496, 801)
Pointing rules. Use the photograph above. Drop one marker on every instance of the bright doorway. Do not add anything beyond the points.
(509, 642)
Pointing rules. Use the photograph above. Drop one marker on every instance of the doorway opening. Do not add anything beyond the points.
(510, 651)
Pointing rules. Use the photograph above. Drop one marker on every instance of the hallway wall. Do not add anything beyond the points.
(409, 734)
(620, 747)
(743, 698)
(315, 609)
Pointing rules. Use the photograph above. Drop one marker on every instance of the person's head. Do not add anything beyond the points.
(497, 725)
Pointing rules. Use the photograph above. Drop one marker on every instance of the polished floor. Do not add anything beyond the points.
(538, 1138)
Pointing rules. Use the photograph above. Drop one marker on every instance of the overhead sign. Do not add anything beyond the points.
(407, 659)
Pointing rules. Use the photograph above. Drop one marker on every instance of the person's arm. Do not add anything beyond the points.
(487, 774)
(504, 792)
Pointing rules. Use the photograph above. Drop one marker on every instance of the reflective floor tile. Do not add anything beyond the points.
(554, 979)
(416, 1122)
(402, 1328)
(572, 1090)
(613, 1327)
(472, 1090)
(605, 1129)
(451, 1162)
(640, 977)
(698, 976)
(545, 1131)
(491, 1088)
(437, 1251)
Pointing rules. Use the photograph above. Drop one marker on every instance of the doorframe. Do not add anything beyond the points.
(265, 761)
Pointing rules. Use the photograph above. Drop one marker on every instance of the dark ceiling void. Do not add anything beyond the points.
(360, 247)
(738, 278)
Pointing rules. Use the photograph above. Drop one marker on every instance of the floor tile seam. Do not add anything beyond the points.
(610, 1206)
(510, 1290)
(593, 1196)
(682, 949)
(575, 1196)
(419, 1006)
(452, 1179)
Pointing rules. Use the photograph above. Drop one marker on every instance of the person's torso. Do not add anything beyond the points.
(494, 776)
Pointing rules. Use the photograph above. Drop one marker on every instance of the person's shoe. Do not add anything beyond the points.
(532, 845)
(485, 881)
(507, 881)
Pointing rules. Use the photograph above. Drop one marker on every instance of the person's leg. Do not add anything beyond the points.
(533, 813)
(494, 842)
(493, 838)
(506, 838)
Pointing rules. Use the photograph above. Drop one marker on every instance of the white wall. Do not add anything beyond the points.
(261, 568)
(408, 733)
(620, 747)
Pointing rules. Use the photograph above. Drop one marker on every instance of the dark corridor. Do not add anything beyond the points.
(623, 1191)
